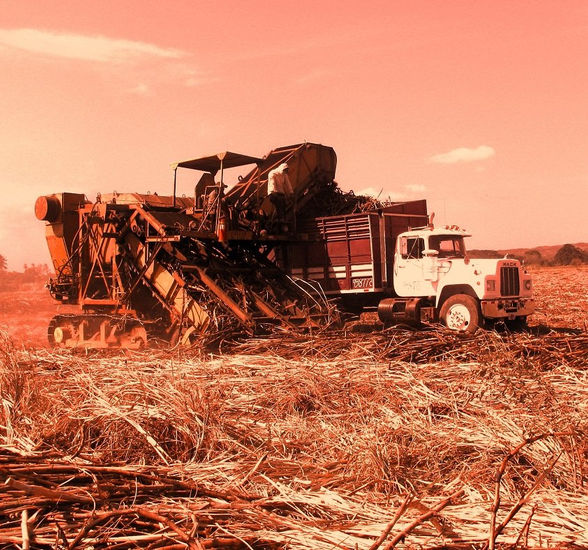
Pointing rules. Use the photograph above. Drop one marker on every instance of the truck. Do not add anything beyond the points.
(394, 260)
(132, 268)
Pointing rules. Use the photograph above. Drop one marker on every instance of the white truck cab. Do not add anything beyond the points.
(386, 260)
(432, 264)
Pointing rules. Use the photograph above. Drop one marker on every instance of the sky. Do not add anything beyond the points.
(479, 107)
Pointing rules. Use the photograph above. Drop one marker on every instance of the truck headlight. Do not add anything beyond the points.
(528, 284)
(490, 285)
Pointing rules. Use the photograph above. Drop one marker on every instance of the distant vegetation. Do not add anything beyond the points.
(568, 254)
(479, 253)
(11, 280)
(533, 257)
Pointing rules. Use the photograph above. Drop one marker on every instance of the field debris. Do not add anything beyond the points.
(396, 439)
(376, 440)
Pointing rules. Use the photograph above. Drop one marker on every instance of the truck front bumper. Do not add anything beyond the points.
(509, 308)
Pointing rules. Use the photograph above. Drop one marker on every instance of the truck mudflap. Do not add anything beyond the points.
(507, 308)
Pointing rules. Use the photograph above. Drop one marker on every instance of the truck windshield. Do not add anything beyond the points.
(448, 246)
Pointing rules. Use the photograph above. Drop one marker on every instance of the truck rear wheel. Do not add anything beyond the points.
(460, 313)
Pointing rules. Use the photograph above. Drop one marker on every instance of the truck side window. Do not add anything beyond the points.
(411, 247)
(449, 246)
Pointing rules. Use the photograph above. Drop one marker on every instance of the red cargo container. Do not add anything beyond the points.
(353, 254)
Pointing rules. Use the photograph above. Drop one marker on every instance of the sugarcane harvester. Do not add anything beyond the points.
(141, 267)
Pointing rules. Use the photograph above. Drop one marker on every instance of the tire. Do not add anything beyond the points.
(460, 313)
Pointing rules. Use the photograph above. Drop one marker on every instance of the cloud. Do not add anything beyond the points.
(81, 47)
(114, 54)
(140, 89)
(191, 77)
(416, 188)
(464, 154)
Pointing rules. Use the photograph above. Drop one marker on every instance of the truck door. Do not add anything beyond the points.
(409, 279)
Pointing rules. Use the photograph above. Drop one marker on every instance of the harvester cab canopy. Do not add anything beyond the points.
(211, 165)
(218, 162)
(311, 167)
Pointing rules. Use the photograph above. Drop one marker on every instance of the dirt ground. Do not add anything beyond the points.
(25, 314)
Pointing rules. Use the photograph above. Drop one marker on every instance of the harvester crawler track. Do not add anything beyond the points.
(97, 331)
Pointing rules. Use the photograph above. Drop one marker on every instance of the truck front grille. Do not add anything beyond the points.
(509, 281)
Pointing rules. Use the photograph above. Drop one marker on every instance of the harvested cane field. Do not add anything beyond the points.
(342, 440)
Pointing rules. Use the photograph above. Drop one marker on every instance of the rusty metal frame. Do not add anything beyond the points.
(245, 319)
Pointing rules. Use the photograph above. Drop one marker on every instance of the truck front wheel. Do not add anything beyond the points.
(460, 313)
